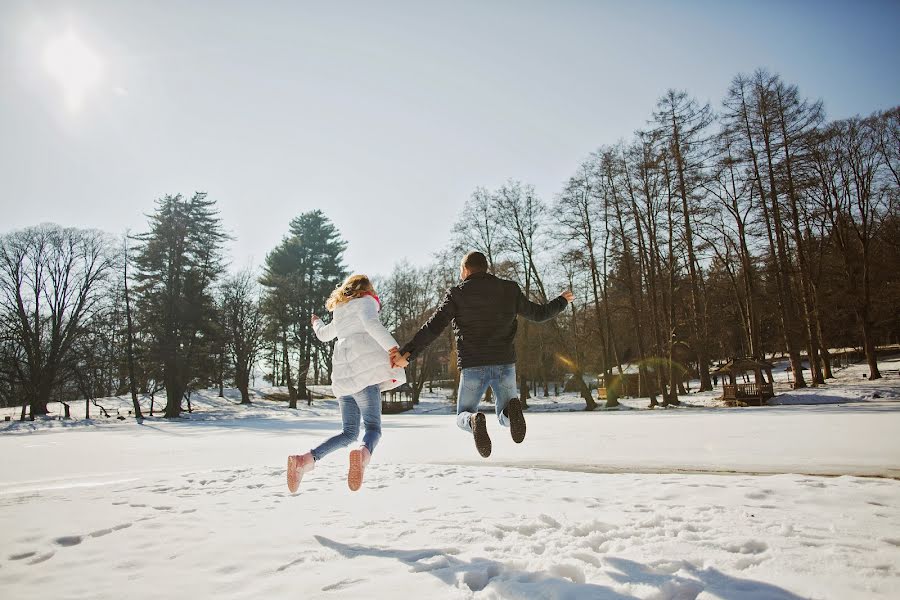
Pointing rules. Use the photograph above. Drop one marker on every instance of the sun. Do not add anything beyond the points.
(74, 66)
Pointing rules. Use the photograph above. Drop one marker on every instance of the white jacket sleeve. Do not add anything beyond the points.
(373, 326)
(325, 333)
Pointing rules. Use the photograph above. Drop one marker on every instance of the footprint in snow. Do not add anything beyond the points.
(344, 583)
(100, 532)
(759, 494)
(69, 540)
(42, 558)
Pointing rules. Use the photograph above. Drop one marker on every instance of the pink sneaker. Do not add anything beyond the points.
(298, 465)
(359, 459)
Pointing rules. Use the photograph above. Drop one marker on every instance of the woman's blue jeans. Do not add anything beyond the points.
(366, 404)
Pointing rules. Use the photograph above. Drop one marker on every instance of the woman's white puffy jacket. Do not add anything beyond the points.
(361, 355)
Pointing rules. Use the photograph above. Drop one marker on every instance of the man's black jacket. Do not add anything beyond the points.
(483, 311)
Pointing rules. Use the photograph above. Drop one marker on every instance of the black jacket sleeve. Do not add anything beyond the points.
(432, 328)
(539, 312)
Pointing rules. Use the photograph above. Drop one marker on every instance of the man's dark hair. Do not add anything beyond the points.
(475, 262)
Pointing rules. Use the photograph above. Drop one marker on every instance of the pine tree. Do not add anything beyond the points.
(299, 274)
(178, 262)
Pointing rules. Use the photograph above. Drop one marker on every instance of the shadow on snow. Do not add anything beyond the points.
(478, 573)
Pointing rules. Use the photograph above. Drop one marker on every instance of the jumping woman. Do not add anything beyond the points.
(361, 370)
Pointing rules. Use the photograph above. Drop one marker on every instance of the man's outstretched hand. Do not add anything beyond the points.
(569, 296)
(399, 360)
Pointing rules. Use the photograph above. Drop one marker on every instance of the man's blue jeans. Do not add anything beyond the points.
(474, 382)
(367, 403)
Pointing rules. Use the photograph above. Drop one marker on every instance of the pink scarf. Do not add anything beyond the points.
(377, 299)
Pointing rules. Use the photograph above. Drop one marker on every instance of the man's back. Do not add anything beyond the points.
(484, 321)
(483, 311)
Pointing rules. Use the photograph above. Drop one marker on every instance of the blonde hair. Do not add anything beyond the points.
(354, 286)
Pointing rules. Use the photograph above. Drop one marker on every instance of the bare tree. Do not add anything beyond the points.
(243, 326)
(734, 193)
(577, 211)
(409, 296)
(684, 124)
(477, 228)
(750, 117)
(522, 218)
(51, 281)
(856, 200)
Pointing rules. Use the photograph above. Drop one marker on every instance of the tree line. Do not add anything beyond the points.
(750, 229)
(744, 230)
(156, 314)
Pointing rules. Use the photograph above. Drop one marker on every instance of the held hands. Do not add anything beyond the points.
(569, 296)
(398, 360)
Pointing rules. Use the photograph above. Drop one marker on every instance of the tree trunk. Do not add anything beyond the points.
(302, 373)
(286, 368)
(242, 379)
(803, 269)
(633, 296)
(174, 394)
(583, 390)
(869, 344)
(132, 382)
(696, 310)
(773, 224)
(674, 373)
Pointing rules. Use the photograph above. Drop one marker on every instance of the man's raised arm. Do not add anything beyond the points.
(542, 312)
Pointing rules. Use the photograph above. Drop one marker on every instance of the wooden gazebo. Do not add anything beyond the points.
(397, 400)
(742, 394)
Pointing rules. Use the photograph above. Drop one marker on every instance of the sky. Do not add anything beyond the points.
(385, 115)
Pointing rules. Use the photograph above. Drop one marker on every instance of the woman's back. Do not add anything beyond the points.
(361, 354)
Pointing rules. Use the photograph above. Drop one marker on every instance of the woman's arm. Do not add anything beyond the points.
(373, 325)
(324, 332)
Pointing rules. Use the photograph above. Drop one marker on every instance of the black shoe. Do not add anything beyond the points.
(513, 410)
(479, 431)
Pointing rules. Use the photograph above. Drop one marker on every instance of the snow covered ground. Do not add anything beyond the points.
(789, 501)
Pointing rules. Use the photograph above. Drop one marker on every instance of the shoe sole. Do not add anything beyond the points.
(516, 420)
(355, 474)
(293, 481)
(482, 439)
